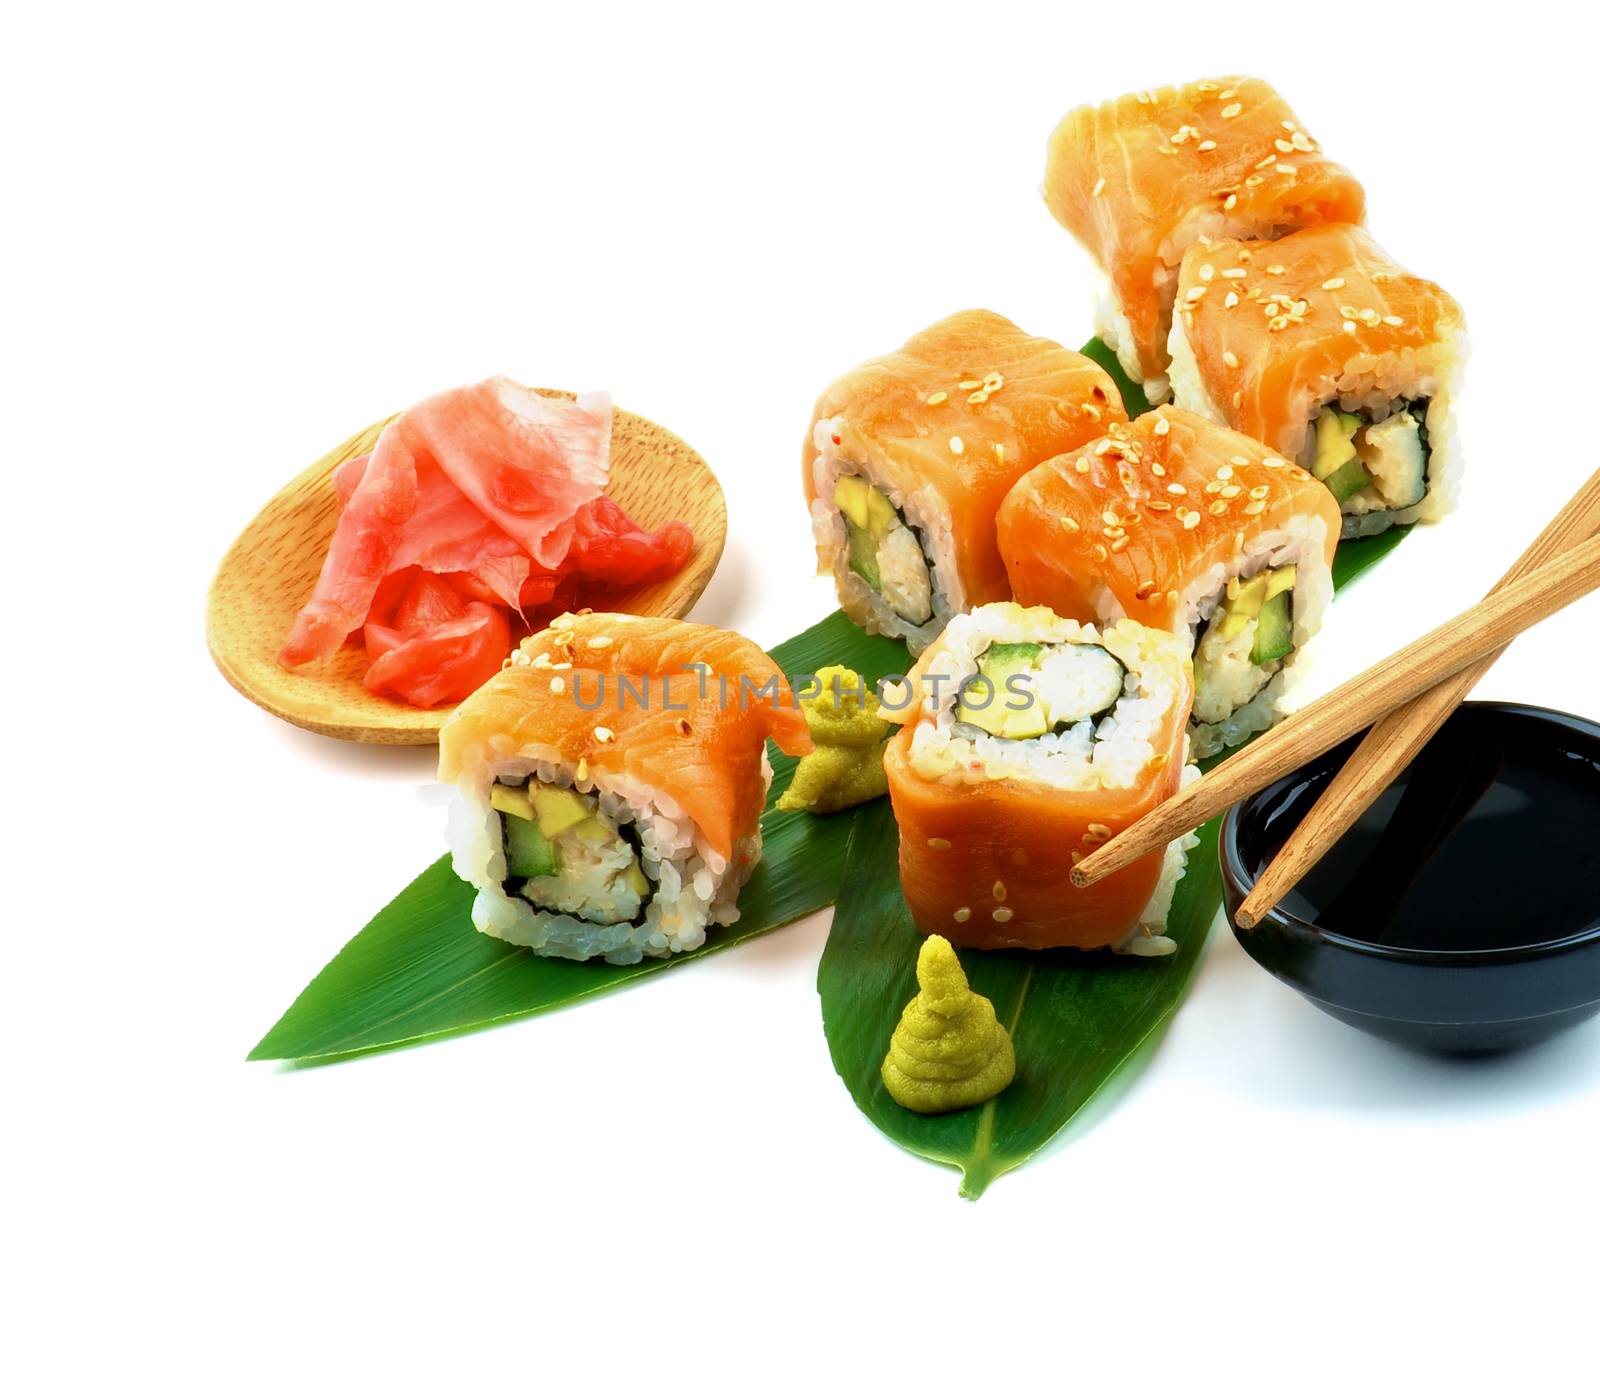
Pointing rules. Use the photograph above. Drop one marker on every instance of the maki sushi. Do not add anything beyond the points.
(610, 784)
(1325, 348)
(1139, 179)
(1028, 741)
(1187, 527)
(909, 455)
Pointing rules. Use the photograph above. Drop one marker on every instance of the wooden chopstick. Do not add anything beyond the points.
(1394, 740)
(1446, 650)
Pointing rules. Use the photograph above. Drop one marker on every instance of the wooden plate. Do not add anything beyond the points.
(269, 573)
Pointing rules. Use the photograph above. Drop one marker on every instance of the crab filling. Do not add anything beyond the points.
(885, 552)
(1244, 644)
(1373, 465)
(1024, 691)
(564, 854)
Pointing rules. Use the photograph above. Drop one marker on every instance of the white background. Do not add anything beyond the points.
(233, 236)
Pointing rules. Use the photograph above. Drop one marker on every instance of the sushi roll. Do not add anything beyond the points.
(1190, 528)
(611, 779)
(1030, 740)
(1141, 178)
(908, 457)
(1323, 347)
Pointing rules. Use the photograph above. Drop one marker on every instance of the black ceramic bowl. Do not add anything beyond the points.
(1465, 906)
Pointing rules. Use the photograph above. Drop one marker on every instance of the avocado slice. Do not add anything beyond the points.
(529, 853)
(864, 555)
(1274, 639)
(999, 664)
(868, 517)
(1335, 442)
(636, 880)
(1243, 603)
(556, 809)
(513, 801)
(1346, 481)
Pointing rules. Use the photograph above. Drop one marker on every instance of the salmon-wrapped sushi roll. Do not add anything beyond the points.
(1325, 348)
(1185, 526)
(1028, 742)
(611, 778)
(909, 455)
(1140, 178)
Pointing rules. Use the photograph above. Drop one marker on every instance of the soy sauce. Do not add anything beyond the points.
(1491, 838)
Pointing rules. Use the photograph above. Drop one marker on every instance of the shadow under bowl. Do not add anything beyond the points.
(1461, 915)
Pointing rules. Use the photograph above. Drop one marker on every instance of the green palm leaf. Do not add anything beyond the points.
(420, 969)
(1077, 1019)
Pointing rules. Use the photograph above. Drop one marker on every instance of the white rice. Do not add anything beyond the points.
(1111, 754)
(692, 886)
(923, 510)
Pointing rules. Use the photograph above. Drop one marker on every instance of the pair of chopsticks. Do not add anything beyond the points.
(1405, 699)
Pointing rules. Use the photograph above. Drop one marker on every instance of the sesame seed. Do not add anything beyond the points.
(1287, 168)
(1290, 125)
(1258, 492)
(1082, 465)
(1333, 284)
(962, 914)
(1255, 508)
(1194, 293)
(1253, 180)
(1159, 505)
(1230, 111)
(1177, 489)
(1207, 272)
(1091, 410)
(999, 891)
(1230, 202)
(1283, 145)
(993, 381)
(1238, 397)
(977, 398)
(938, 843)
(1230, 358)
(1003, 914)
(1100, 554)
(1233, 272)
(583, 770)
(1272, 461)
(1349, 326)
(1218, 507)
(1144, 589)
(1230, 300)
(956, 446)
(1231, 491)
(1098, 830)
(1070, 525)
(1266, 161)
(1172, 600)
(600, 642)
(1191, 520)
(1224, 472)
(1393, 320)
(937, 397)
(1160, 427)
(1206, 145)
(604, 734)
(1099, 186)
(558, 686)
(1276, 269)
(1119, 544)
